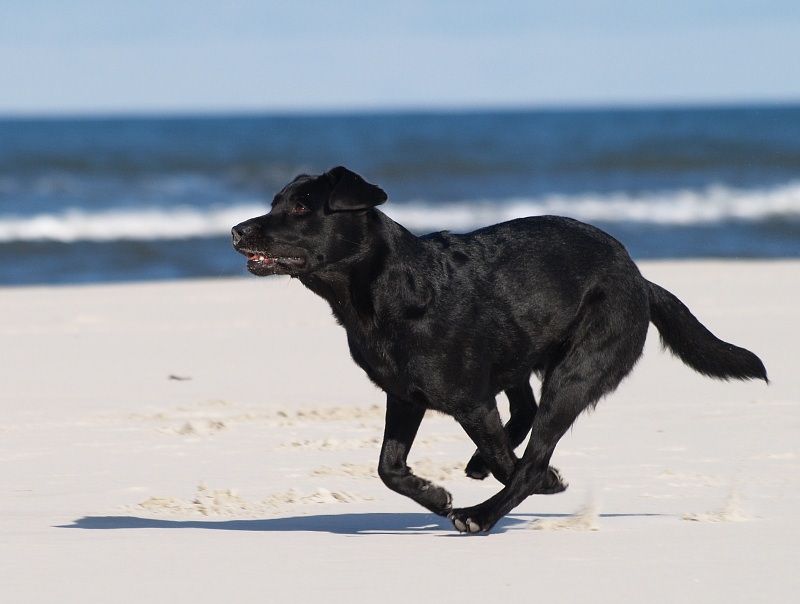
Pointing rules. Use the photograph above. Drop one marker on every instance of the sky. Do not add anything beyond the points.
(62, 57)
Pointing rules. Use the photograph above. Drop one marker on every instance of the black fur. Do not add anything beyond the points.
(447, 322)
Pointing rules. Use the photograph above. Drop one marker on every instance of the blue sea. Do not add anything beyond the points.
(143, 198)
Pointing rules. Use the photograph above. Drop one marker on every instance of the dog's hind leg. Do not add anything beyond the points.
(533, 474)
(522, 404)
(402, 422)
(602, 351)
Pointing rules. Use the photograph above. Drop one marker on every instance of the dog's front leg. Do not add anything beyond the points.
(523, 410)
(485, 428)
(402, 422)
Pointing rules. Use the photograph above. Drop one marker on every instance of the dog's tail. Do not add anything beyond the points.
(695, 345)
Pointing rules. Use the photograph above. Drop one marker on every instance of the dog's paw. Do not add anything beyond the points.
(551, 483)
(437, 499)
(477, 468)
(472, 520)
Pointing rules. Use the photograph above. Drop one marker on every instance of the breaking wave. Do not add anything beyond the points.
(714, 204)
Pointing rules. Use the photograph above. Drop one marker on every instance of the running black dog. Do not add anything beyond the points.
(447, 321)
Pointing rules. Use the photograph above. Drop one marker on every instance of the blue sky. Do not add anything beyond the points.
(140, 56)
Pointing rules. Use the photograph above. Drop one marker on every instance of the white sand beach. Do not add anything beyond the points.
(211, 441)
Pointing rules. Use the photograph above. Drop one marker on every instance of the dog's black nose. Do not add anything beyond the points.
(238, 232)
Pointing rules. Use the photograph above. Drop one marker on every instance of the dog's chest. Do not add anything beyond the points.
(378, 356)
(396, 363)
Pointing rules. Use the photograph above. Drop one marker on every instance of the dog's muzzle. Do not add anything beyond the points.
(260, 262)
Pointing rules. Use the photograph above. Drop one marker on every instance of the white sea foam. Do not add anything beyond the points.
(113, 225)
(683, 208)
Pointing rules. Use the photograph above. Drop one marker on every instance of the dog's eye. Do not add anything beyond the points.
(299, 209)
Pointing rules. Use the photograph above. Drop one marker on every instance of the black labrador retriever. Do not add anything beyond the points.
(446, 322)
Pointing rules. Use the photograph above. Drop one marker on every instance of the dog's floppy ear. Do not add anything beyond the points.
(351, 192)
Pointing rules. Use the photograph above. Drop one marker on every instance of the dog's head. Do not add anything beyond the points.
(314, 221)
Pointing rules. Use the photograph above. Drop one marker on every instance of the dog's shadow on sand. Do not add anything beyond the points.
(339, 524)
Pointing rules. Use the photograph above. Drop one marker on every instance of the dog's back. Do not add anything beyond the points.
(536, 272)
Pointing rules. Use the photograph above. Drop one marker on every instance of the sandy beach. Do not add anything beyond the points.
(205, 441)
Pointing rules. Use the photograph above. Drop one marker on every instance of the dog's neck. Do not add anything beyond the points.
(348, 284)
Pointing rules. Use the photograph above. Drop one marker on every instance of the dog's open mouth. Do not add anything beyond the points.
(261, 264)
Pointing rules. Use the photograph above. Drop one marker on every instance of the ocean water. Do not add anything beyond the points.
(95, 200)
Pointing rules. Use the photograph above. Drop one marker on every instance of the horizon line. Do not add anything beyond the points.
(410, 109)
